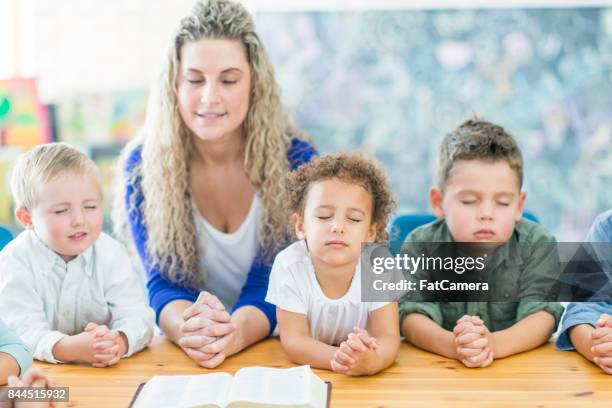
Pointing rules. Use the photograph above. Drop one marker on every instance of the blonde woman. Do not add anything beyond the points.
(204, 188)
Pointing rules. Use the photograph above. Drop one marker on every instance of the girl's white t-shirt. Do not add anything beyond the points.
(226, 259)
(294, 287)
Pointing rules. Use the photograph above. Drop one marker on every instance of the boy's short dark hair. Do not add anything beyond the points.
(477, 139)
(352, 168)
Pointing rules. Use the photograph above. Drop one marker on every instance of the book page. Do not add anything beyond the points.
(281, 386)
(317, 391)
(185, 391)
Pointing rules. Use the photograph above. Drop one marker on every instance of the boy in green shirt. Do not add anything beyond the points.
(479, 200)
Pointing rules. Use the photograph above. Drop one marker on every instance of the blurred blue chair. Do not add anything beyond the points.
(403, 224)
(5, 237)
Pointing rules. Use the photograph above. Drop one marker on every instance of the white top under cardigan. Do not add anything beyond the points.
(226, 259)
(294, 287)
(43, 298)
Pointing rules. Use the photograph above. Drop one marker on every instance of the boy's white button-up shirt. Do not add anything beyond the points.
(44, 298)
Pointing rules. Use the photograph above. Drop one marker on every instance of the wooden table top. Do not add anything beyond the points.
(540, 378)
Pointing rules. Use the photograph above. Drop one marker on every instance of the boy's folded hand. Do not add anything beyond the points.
(476, 320)
(80, 346)
(472, 341)
(604, 320)
(109, 349)
(601, 340)
(108, 346)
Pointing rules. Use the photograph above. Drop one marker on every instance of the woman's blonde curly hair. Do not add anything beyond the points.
(167, 146)
(351, 168)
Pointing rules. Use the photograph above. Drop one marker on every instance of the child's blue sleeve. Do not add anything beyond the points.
(580, 313)
(13, 346)
(601, 230)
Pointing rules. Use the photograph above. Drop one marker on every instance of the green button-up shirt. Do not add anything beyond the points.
(522, 273)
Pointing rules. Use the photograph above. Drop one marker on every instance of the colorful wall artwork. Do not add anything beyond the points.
(24, 120)
(101, 119)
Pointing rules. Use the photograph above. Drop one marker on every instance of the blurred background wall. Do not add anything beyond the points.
(385, 77)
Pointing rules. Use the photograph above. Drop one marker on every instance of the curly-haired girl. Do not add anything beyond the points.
(338, 203)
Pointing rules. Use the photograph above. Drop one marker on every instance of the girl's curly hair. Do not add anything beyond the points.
(353, 168)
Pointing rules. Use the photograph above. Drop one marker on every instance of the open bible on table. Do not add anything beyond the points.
(249, 387)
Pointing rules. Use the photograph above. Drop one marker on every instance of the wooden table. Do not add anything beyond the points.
(539, 378)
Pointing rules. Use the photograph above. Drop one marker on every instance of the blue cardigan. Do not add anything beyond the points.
(160, 290)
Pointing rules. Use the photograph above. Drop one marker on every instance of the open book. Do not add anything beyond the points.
(249, 387)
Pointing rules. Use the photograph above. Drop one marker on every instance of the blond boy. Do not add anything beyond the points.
(67, 288)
